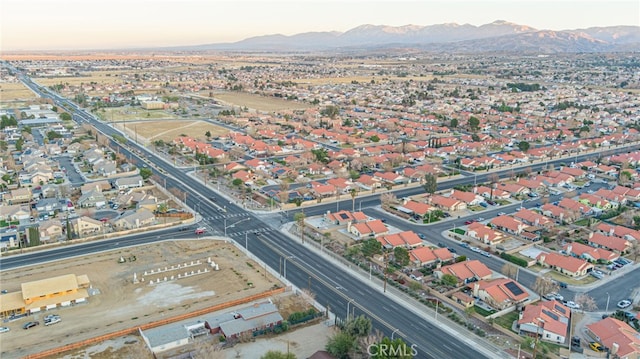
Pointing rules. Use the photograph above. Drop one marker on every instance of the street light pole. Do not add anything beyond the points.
(394, 332)
(347, 317)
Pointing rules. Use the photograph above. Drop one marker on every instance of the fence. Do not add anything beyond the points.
(155, 324)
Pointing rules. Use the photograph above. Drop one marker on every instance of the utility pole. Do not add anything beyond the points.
(386, 266)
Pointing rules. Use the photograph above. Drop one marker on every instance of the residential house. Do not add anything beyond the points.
(366, 229)
(589, 253)
(446, 203)
(100, 186)
(495, 193)
(14, 212)
(134, 219)
(508, 224)
(84, 225)
(465, 271)
(92, 199)
(571, 266)
(407, 239)
(596, 201)
(618, 231)
(343, 217)
(250, 319)
(547, 320)
(469, 198)
(619, 337)
(424, 256)
(514, 189)
(416, 209)
(574, 206)
(129, 182)
(50, 230)
(484, 234)
(533, 218)
(18, 196)
(557, 213)
(616, 244)
(499, 293)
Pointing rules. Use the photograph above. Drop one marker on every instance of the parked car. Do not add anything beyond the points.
(571, 304)
(4, 329)
(452, 250)
(624, 303)
(421, 236)
(441, 245)
(50, 320)
(596, 347)
(28, 325)
(501, 214)
(597, 274)
(464, 245)
(480, 219)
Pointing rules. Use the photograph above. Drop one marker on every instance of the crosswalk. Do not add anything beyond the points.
(249, 231)
(230, 215)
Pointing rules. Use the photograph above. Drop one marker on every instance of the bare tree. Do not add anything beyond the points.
(206, 347)
(585, 302)
(545, 285)
(509, 270)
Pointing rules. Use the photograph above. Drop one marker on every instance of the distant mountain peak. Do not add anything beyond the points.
(499, 35)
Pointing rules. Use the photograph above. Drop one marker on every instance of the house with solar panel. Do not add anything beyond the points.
(548, 321)
(499, 293)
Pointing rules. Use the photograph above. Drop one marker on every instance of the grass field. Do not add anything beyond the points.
(168, 130)
(257, 102)
(10, 91)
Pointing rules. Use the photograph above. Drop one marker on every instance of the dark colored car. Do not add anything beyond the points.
(28, 325)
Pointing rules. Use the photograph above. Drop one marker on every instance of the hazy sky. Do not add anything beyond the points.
(102, 24)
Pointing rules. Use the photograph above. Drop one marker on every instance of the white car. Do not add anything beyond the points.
(51, 319)
(571, 304)
(502, 214)
(624, 304)
(4, 329)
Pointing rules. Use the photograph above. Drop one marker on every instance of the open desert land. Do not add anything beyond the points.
(11, 91)
(257, 102)
(119, 303)
(169, 130)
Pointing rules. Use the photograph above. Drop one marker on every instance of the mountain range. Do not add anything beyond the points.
(498, 36)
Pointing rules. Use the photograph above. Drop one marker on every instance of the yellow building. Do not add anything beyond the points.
(46, 294)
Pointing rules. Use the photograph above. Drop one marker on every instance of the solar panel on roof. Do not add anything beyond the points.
(513, 288)
(560, 309)
(344, 216)
(550, 314)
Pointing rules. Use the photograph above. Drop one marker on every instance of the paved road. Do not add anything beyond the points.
(329, 282)
(273, 247)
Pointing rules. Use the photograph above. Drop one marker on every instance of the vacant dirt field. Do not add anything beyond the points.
(169, 130)
(257, 102)
(10, 91)
(120, 303)
(132, 114)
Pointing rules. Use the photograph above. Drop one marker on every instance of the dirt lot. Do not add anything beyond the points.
(257, 102)
(123, 304)
(10, 91)
(171, 129)
(302, 341)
